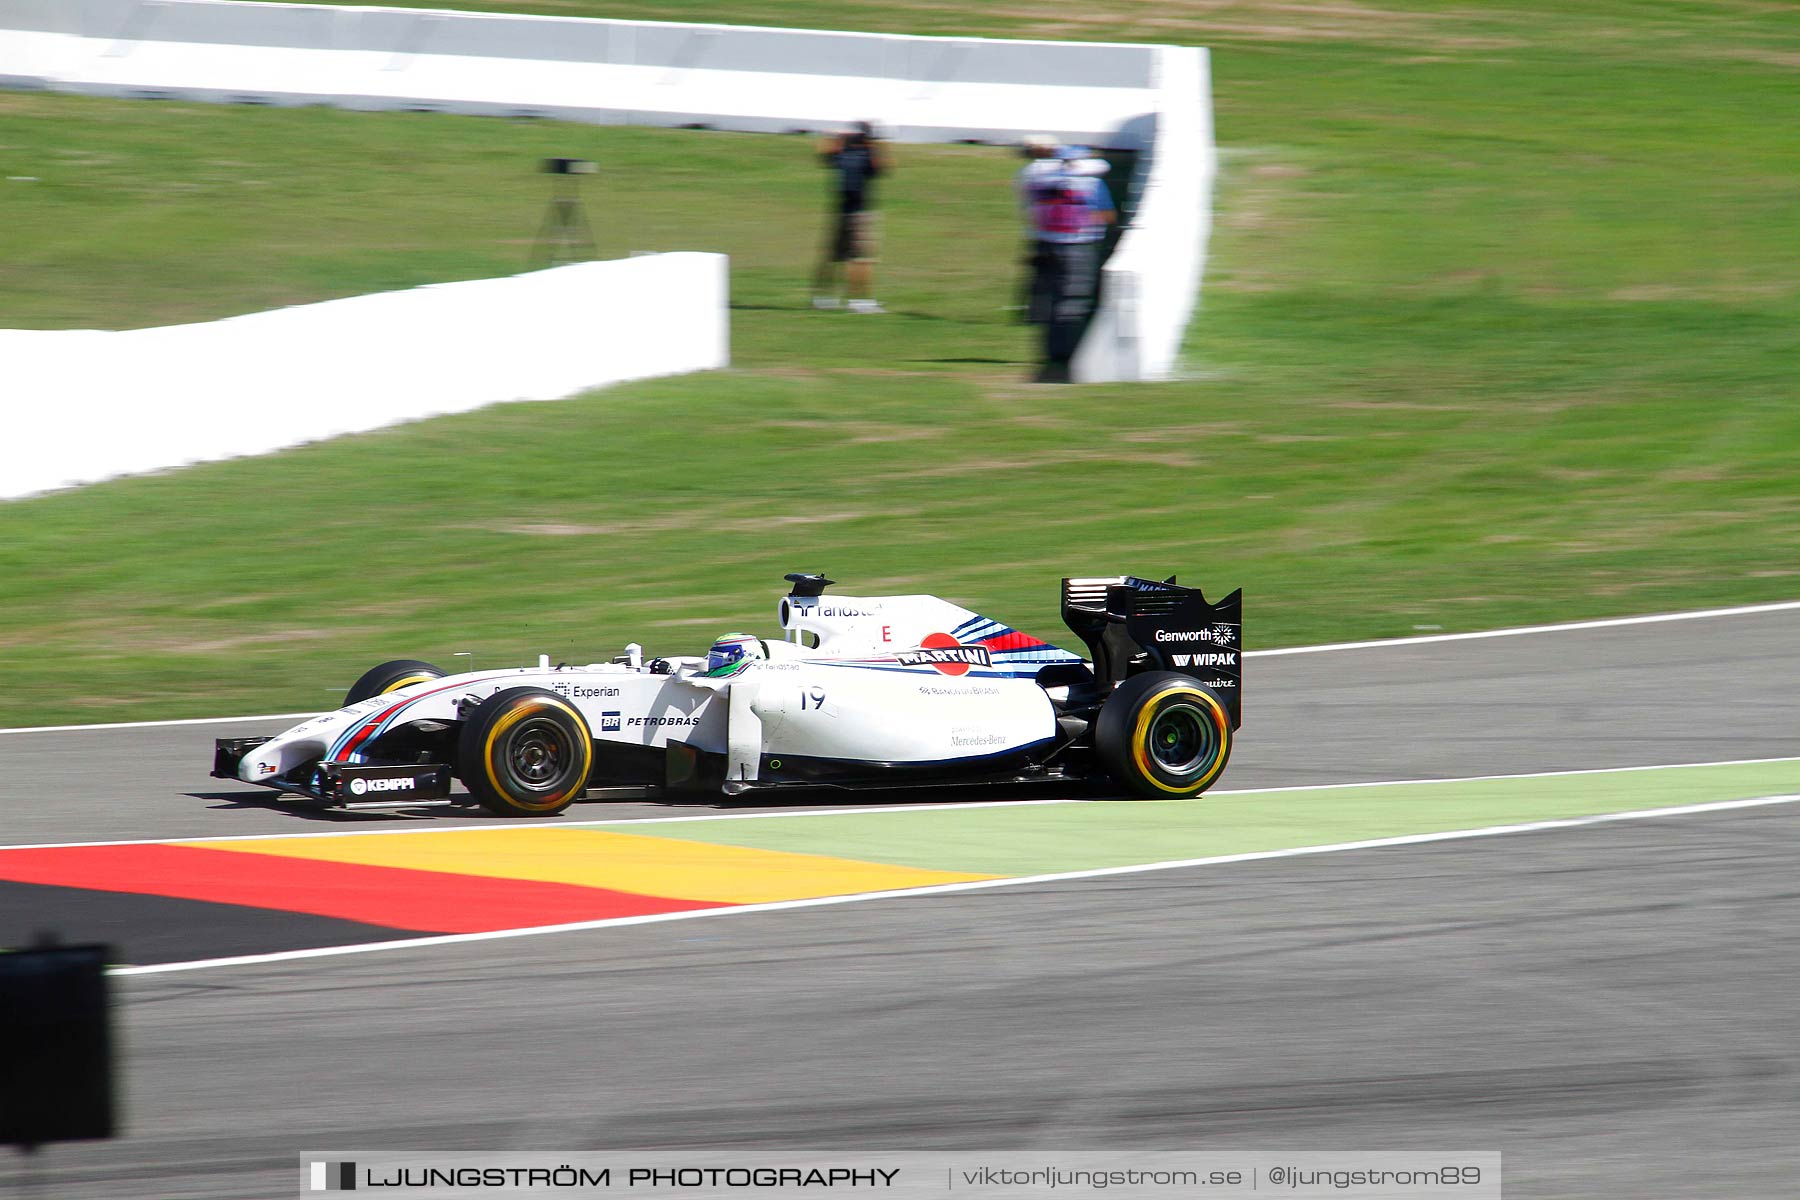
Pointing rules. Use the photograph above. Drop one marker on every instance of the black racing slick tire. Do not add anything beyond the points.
(525, 752)
(390, 677)
(1163, 735)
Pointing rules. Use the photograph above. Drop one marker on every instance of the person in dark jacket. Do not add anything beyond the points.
(856, 158)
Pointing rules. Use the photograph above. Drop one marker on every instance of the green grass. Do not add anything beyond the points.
(1500, 326)
(153, 213)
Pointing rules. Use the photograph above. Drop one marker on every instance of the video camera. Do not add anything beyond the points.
(570, 166)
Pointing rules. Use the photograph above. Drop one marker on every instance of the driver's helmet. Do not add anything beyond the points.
(731, 654)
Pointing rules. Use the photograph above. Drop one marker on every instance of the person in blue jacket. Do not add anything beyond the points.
(1069, 208)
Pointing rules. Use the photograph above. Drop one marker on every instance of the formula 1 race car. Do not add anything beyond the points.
(877, 692)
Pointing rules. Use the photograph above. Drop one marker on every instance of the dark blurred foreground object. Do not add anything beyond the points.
(56, 1045)
(565, 236)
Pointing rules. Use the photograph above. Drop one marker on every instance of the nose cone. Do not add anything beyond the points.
(284, 755)
(260, 764)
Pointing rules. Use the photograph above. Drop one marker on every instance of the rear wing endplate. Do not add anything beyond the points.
(1134, 625)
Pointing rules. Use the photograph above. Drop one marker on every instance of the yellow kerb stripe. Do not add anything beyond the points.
(624, 862)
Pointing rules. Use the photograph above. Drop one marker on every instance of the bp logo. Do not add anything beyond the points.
(945, 654)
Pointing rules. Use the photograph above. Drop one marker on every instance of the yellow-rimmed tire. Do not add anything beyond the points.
(1163, 735)
(525, 752)
(390, 677)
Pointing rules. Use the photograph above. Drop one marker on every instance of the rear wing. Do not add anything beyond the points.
(1134, 625)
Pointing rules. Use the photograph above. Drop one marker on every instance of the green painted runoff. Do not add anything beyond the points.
(1038, 839)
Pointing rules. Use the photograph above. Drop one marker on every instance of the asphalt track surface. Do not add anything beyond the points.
(1609, 1006)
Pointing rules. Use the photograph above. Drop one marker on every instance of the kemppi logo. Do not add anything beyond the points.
(359, 787)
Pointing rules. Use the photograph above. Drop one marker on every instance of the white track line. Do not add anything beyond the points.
(479, 826)
(1607, 623)
(1332, 787)
(159, 724)
(1413, 839)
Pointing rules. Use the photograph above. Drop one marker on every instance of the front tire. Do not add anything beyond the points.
(1164, 735)
(525, 752)
(390, 677)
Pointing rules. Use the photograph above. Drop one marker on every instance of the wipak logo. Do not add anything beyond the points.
(333, 1176)
(1204, 660)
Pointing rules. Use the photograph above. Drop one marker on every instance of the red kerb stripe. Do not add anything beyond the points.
(430, 901)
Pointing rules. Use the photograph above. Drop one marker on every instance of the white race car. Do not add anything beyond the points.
(873, 692)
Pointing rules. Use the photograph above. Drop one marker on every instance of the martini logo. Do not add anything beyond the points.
(944, 653)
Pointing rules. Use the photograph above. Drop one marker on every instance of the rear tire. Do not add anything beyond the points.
(1164, 735)
(390, 677)
(525, 752)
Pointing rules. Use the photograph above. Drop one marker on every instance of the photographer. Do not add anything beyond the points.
(856, 157)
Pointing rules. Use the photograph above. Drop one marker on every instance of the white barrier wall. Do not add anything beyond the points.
(1152, 281)
(1153, 99)
(85, 405)
(601, 71)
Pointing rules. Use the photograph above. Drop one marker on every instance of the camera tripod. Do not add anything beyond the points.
(564, 237)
